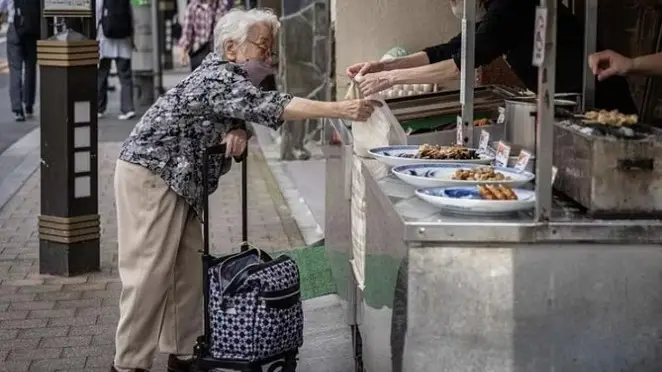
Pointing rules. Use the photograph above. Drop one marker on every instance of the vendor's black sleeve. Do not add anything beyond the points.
(494, 34)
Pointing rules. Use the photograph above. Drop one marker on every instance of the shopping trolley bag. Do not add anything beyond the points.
(253, 319)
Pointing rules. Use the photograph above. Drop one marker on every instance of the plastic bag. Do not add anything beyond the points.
(381, 129)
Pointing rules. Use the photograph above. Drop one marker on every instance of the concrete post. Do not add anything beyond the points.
(69, 226)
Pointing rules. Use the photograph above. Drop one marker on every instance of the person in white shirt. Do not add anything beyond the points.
(118, 50)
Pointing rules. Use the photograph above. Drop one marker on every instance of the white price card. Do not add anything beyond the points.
(554, 171)
(522, 160)
(484, 142)
(459, 131)
(502, 115)
(502, 154)
(539, 36)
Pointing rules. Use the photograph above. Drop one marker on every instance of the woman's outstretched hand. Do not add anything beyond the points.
(357, 109)
(235, 142)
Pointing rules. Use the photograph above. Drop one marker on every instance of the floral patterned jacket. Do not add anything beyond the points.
(171, 137)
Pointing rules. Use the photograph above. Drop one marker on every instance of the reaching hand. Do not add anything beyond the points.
(235, 140)
(608, 63)
(358, 109)
(375, 82)
(364, 68)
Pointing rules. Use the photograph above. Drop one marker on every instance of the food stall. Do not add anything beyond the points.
(567, 279)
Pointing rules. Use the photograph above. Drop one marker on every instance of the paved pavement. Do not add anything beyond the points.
(67, 324)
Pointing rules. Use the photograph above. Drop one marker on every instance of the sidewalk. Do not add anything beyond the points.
(67, 324)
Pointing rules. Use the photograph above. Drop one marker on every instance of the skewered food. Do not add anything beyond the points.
(442, 153)
(481, 122)
(479, 174)
(496, 192)
(614, 118)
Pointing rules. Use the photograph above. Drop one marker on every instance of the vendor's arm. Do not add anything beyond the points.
(607, 63)
(647, 65)
(499, 27)
(231, 94)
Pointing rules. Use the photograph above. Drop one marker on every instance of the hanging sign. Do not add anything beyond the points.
(502, 115)
(67, 5)
(459, 131)
(539, 36)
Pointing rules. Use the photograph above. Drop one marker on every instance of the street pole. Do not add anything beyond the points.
(142, 62)
(69, 224)
(156, 51)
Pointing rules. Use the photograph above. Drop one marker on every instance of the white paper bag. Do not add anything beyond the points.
(381, 129)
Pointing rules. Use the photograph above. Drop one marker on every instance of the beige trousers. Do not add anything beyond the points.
(160, 268)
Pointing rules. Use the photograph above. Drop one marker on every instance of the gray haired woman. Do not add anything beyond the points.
(158, 184)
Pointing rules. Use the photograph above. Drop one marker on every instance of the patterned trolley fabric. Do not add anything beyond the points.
(258, 315)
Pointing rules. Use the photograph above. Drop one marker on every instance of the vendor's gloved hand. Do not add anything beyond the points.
(235, 141)
(375, 82)
(363, 68)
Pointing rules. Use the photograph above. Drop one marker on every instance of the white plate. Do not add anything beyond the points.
(441, 175)
(466, 200)
(391, 155)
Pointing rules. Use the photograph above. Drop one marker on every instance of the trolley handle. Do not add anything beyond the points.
(221, 150)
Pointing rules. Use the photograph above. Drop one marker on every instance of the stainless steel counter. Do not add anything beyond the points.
(456, 293)
(421, 222)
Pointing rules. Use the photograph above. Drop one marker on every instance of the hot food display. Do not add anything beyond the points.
(479, 174)
(496, 192)
(438, 152)
(613, 118)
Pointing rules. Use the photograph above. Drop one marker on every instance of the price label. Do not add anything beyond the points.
(502, 154)
(522, 160)
(502, 115)
(459, 131)
(554, 171)
(484, 142)
(540, 36)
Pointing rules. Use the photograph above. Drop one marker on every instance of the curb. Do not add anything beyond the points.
(310, 229)
(26, 152)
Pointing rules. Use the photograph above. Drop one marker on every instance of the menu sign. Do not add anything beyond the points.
(484, 142)
(522, 160)
(502, 154)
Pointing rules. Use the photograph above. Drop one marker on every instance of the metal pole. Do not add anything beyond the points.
(590, 46)
(545, 29)
(156, 48)
(467, 73)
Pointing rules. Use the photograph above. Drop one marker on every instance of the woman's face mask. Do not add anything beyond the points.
(260, 73)
(458, 10)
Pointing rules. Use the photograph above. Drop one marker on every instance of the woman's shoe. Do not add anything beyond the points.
(178, 365)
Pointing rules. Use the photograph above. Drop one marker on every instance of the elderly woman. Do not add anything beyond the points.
(158, 184)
